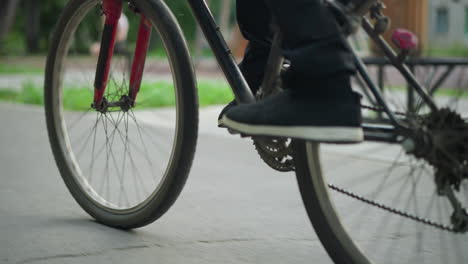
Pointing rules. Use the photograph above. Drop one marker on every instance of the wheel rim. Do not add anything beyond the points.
(321, 208)
(119, 159)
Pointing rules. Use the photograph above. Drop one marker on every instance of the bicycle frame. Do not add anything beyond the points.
(373, 132)
(221, 51)
(112, 10)
(239, 86)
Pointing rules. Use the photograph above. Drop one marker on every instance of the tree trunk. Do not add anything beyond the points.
(33, 19)
(7, 16)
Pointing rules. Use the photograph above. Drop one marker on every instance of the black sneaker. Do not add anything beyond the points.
(289, 115)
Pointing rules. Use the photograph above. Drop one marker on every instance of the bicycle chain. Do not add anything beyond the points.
(391, 210)
(375, 203)
(383, 206)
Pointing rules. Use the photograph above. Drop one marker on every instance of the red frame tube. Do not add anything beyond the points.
(112, 10)
(139, 59)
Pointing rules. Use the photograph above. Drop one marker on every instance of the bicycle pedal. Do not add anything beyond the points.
(232, 132)
(244, 135)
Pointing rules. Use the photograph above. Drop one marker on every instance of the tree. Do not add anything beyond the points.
(7, 16)
(33, 25)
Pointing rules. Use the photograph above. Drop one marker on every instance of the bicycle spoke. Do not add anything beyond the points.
(126, 140)
(141, 138)
(83, 144)
(111, 156)
(149, 136)
(78, 119)
(91, 166)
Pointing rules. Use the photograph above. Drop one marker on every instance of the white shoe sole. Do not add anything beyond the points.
(321, 134)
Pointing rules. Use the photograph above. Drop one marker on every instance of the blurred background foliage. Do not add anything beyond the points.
(33, 22)
(25, 27)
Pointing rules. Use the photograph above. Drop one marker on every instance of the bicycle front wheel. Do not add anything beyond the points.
(125, 166)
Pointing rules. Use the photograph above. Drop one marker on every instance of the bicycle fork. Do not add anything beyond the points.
(112, 10)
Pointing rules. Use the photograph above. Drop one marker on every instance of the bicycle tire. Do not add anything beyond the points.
(355, 231)
(319, 206)
(184, 136)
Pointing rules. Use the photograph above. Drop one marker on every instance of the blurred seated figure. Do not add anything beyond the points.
(120, 38)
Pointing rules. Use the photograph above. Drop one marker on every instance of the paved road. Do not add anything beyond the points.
(233, 210)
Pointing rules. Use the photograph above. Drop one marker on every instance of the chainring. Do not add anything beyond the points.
(275, 152)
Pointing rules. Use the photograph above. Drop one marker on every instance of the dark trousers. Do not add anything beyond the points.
(311, 41)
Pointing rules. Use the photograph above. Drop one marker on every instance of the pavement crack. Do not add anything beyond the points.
(87, 254)
(230, 240)
(299, 239)
(153, 245)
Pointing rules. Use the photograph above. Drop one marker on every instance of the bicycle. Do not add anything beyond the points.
(100, 118)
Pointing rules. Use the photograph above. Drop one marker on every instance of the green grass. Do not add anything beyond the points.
(13, 44)
(19, 69)
(29, 94)
(156, 53)
(8, 95)
(453, 92)
(457, 50)
(152, 95)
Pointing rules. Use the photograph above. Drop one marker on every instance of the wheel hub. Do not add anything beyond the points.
(443, 142)
(125, 103)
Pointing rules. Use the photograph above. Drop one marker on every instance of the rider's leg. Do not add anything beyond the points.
(254, 19)
(315, 47)
(318, 103)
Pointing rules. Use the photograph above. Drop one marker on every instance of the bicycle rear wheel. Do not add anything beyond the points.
(124, 166)
(383, 203)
